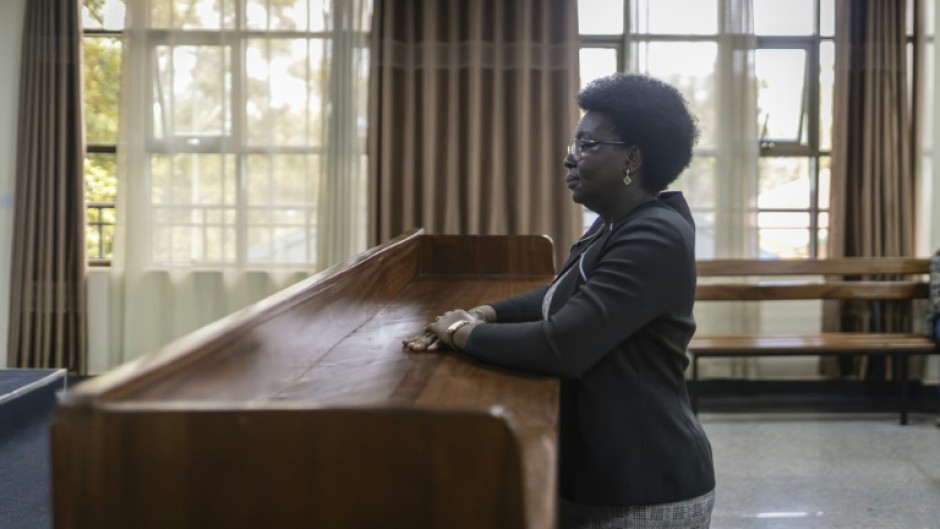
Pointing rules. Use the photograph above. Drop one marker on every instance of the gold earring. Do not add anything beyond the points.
(626, 178)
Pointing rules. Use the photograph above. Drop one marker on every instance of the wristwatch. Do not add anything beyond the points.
(452, 329)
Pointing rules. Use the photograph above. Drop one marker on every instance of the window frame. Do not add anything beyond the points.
(811, 150)
(99, 148)
(235, 141)
(811, 111)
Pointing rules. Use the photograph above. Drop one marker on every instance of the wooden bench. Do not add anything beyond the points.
(846, 279)
(304, 410)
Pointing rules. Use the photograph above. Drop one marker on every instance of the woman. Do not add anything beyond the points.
(615, 322)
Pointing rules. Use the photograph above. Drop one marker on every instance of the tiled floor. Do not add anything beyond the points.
(802, 471)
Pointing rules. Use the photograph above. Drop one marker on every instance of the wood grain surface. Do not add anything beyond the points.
(306, 411)
(766, 291)
(844, 266)
(810, 344)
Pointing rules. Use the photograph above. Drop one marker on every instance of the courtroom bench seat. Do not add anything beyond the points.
(871, 280)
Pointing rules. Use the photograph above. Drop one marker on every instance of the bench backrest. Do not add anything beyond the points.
(887, 278)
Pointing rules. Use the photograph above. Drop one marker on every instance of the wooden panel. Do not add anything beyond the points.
(233, 426)
(390, 468)
(809, 344)
(865, 290)
(487, 254)
(845, 266)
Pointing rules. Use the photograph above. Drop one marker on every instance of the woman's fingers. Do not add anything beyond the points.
(427, 341)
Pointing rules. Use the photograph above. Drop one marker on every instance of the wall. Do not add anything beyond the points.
(11, 30)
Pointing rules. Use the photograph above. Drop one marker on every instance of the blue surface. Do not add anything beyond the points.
(25, 485)
(13, 379)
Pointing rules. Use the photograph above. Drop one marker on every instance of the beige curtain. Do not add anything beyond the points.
(241, 158)
(873, 160)
(47, 302)
(472, 105)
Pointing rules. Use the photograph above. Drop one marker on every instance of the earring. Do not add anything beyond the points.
(626, 178)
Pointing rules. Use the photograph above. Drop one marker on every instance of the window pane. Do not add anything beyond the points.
(909, 17)
(929, 20)
(784, 183)
(362, 59)
(784, 243)
(792, 17)
(781, 94)
(193, 14)
(827, 18)
(102, 69)
(182, 179)
(822, 236)
(825, 172)
(780, 220)
(192, 205)
(100, 179)
(285, 179)
(99, 231)
(697, 182)
(103, 14)
(287, 15)
(826, 90)
(784, 235)
(192, 92)
(677, 17)
(597, 62)
(704, 233)
(822, 244)
(928, 82)
(690, 67)
(100, 193)
(282, 196)
(600, 17)
(284, 79)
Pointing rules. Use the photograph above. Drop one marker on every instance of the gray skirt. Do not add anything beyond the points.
(687, 514)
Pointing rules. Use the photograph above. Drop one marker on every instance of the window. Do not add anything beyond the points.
(232, 104)
(794, 63)
(103, 22)
(795, 66)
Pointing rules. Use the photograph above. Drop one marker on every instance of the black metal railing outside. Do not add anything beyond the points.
(99, 232)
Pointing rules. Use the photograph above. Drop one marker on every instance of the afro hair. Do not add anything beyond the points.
(650, 114)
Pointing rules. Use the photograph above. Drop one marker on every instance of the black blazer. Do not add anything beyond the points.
(619, 323)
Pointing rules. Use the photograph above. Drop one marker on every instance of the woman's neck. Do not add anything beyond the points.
(624, 207)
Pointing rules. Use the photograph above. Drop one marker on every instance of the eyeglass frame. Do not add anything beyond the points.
(576, 150)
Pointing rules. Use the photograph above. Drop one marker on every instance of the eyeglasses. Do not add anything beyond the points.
(577, 147)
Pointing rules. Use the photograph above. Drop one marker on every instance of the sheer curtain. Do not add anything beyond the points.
(733, 228)
(241, 157)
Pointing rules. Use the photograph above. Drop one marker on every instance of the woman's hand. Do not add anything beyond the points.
(426, 341)
(442, 324)
(435, 334)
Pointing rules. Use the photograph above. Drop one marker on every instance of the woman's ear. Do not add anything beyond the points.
(634, 160)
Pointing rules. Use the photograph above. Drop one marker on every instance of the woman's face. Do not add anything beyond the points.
(595, 175)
